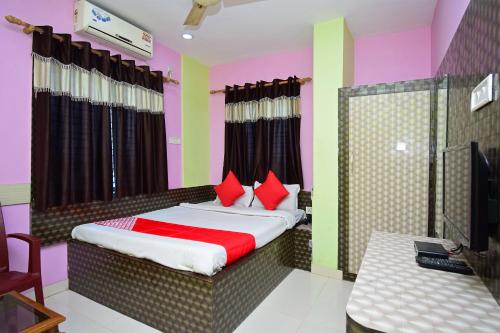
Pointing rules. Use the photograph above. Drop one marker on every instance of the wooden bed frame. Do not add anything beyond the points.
(176, 301)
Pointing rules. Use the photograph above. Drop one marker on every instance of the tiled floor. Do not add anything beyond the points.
(303, 302)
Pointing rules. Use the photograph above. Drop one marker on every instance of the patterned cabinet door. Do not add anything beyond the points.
(388, 174)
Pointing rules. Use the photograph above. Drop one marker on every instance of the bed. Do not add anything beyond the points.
(189, 297)
(193, 254)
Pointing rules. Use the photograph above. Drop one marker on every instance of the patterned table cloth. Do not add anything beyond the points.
(393, 294)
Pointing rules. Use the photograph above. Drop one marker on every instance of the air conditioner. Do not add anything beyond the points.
(96, 22)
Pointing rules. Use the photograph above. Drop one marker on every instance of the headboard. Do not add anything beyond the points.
(55, 225)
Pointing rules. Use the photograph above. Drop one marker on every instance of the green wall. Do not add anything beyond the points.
(195, 123)
(348, 60)
(333, 69)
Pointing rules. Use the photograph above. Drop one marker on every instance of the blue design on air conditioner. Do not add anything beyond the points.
(100, 16)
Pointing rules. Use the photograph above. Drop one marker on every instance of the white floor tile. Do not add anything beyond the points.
(329, 308)
(125, 324)
(74, 302)
(310, 326)
(303, 302)
(77, 323)
(296, 294)
(265, 320)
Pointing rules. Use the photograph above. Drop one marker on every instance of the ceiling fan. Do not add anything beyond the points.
(199, 7)
(195, 16)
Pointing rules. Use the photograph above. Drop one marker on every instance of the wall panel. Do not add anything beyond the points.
(473, 53)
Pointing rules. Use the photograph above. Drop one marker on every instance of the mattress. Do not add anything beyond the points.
(190, 255)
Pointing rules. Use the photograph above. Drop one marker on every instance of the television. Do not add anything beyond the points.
(465, 195)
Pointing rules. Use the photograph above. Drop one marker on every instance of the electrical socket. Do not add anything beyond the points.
(174, 140)
(309, 210)
(482, 94)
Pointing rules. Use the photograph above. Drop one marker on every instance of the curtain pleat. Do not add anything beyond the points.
(124, 129)
(262, 132)
(98, 125)
(159, 153)
(124, 135)
(238, 151)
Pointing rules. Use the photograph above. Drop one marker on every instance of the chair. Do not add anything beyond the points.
(20, 281)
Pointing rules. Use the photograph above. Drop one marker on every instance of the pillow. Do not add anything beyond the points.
(271, 192)
(244, 201)
(229, 190)
(290, 203)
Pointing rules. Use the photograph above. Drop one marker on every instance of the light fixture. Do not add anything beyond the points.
(187, 36)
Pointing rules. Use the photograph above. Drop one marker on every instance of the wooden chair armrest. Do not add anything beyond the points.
(34, 251)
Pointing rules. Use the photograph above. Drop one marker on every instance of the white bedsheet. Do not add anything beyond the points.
(188, 255)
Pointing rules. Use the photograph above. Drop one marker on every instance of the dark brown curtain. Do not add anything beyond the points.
(71, 139)
(141, 152)
(262, 131)
(90, 141)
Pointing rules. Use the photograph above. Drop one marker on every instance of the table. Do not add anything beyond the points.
(393, 294)
(18, 313)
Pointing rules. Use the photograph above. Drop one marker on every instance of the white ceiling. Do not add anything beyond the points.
(246, 28)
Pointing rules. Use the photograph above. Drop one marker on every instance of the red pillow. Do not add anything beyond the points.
(229, 190)
(271, 192)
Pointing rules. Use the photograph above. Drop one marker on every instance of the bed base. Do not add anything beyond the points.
(175, 301)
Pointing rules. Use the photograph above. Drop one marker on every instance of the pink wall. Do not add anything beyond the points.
(408, 55)
(393, 57)
(15, 116)
(447, 17)
(267, 68)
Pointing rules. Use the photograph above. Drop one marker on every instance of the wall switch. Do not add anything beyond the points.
(482, 94)
(174, 140)
(309, 210)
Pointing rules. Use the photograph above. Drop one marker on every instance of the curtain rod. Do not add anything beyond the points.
(29, 28)
(301, 81)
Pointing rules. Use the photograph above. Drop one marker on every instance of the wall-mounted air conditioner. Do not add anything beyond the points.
(96, 22)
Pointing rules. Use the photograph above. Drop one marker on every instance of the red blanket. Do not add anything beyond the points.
(237, 244)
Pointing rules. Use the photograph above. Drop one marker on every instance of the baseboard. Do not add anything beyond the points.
(326, 271)
(49, 290)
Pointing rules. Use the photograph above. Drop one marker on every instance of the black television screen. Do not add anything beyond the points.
(465, 195)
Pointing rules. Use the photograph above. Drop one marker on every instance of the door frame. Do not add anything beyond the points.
(343, 153)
